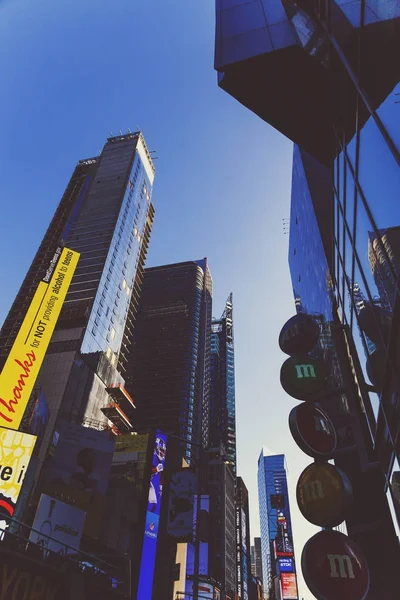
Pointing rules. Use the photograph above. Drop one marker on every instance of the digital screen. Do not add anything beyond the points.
(285, 565)
(289, 586)
(147, 566)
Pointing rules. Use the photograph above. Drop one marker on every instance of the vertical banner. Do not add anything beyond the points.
(16, 449)
(28, 351)
(182, 491)
(149, 548)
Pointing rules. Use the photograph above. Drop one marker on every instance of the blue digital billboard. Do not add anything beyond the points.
(285, 565)
(149, 549)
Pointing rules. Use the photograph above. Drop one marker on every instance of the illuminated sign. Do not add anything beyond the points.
(303, 377)
(16, 449)
(28, 351)
(149, 548)
(285, 565)
(334, 567)
(289, 586)
(324, 494)
(299, 335)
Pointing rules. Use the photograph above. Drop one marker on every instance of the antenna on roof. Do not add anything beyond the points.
(129, 131)
(120, 132)
(111, 134)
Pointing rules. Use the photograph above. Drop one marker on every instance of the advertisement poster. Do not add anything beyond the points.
(61, 522)
(149, 548)
(206, 590)
(283, 541)
(289, 586)
(181, 504)
(285, 565)
(22, 367)
(16, 449)
(78, 472)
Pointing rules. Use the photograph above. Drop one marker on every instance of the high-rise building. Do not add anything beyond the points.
(106, 215)
(275, 523)
(243, 554)
(168, 369)
(256, 559)
(222, 385)
(333, 62)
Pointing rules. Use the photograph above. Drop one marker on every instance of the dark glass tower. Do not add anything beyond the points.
(222, 393)
(167, 372)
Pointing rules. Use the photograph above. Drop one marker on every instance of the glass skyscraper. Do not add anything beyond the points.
(168, 370)
(325, 75)
(275, 522)
(222, 384)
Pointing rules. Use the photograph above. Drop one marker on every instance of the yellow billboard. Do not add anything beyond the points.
(26, 356)
(16, 449)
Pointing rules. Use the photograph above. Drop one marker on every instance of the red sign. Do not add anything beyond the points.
(313, 431)
(289, 586)
(334, 567)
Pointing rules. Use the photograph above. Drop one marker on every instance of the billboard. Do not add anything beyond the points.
(79, 470)
(181, 504)
(204, 533)
(286, 565)
(149, 548)
(28, 351)
(16, 449)
(206, 590)
(289, 586)
(61, 522)
(283, 543)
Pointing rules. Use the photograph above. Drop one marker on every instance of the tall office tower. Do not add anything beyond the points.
(243, 554)
(167, 371)
(256, 568)
(106, 215)
(278, 563)
(220, 482)
(334, 62)
(222, 386)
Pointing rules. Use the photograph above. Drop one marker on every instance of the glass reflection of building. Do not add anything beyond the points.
(325, 74)
(275, 519)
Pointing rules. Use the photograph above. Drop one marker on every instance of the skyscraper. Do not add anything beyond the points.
(222, 393)
(106, 215)
(167, 372)
(243, 552)
(275, 523)
(257, 559)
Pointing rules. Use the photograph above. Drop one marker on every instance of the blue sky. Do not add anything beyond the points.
(73, 71)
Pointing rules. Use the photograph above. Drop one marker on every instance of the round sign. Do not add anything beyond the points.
(375, 322)
(334, 567)
(313, 430)
(303, 377)
(324, 494)
(299, 335)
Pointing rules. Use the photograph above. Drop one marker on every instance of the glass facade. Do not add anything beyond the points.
(335, 92)
(108, 232)
(275, 519)
(222, 397)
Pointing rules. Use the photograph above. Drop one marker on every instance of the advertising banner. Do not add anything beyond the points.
(181, 504)
(78, 472)
(59, 521)
(149, 548)
(285, 565)
(289, 586)
(28, 351)
(16, 449)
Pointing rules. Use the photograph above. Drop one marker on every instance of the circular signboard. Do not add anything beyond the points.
(324, 494)
(303, 377)
(313, 430)
(299, 335)
(334, 567)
